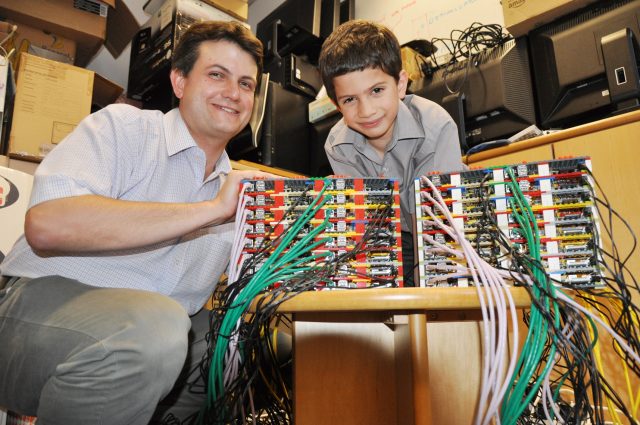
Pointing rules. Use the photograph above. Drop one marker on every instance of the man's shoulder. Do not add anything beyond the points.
(125, 112)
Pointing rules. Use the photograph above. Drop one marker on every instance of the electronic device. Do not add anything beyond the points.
(293, 27)
(295, 73)
(585, 65)
(354, 223)
(490, 95)
(486, 205)
(334, 13)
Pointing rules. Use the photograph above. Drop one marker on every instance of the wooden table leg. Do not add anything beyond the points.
(420, 366)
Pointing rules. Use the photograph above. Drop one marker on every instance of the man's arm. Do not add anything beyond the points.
(92, 223)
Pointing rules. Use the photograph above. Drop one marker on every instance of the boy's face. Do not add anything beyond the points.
(368, 101)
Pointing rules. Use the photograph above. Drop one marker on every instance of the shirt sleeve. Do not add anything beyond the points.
(446, 155)
(90, 160)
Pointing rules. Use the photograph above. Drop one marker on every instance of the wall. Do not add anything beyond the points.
(415, 19)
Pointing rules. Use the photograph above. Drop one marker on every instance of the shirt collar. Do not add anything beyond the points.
(177, 134)
(179, 139)
(407, 126)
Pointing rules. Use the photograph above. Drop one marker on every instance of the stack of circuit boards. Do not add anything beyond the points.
(558, 195)
(360, 219)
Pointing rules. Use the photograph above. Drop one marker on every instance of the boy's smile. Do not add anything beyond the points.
(368, 101)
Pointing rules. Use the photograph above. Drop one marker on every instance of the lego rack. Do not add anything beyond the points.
(558, 193)
(360, 219)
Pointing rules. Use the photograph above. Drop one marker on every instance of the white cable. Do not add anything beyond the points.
(239, 235)
(495, 381)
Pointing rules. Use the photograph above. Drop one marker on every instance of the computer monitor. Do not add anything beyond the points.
(489, 95)
(293, 27)
(585, 66)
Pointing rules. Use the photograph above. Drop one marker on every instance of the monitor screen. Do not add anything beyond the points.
(569, 66)
(491, 93)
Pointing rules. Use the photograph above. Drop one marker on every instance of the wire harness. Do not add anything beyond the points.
(537, 225)
(292, 235)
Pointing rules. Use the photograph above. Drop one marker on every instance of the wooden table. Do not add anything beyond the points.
(389, 306)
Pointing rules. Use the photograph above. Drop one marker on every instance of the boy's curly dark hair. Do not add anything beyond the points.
(357, 45)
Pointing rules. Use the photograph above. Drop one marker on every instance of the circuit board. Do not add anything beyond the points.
(360, 220)
(557, 194)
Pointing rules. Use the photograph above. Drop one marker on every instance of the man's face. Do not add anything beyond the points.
(216, 98)
(368, 101)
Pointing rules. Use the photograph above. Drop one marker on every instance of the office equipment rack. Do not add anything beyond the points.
(558, 193)
(360, 219)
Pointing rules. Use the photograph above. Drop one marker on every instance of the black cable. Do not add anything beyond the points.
(465, 45)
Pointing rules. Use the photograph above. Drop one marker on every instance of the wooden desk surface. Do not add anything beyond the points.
(569, 133)
(393, 300)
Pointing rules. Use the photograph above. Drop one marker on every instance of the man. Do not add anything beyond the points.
(125, 238)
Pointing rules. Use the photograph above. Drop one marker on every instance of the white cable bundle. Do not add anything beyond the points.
(497, 307)
(235, 263)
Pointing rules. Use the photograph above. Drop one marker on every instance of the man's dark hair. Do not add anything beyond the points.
(187, 50)
(355, 46)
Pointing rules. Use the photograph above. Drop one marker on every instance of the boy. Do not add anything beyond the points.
(383, 132)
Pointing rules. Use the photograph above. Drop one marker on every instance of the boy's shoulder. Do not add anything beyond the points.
(341, 133)
(423, 105)
(427, 112)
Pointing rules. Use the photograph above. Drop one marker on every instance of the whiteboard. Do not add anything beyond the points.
(415, 19)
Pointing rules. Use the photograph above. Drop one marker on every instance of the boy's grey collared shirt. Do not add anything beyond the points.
(425, 139)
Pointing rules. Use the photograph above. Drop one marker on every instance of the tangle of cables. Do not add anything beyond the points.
(558, 376)
(244, 373)
(465, 49)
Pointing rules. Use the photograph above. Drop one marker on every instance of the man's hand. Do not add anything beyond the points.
(227, 199)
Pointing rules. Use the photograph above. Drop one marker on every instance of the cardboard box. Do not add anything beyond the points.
(83, 21)
(121, 27)
(40, 43)
(237, 8)
(412, 62)
(51, 99)
(153, 44)
(521, 16)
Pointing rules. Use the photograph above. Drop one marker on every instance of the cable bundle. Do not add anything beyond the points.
(565, 359)
(558, 377)
(242, 373)
(497, 307)
(465, 45)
